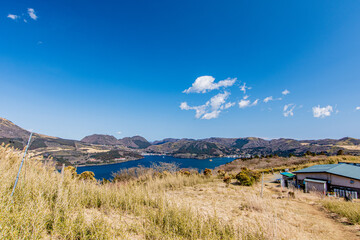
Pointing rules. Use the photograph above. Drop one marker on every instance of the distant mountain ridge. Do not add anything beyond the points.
(97, 145)
(64, 150)
(136, 142)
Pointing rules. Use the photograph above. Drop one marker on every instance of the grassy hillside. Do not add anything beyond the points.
(282, 163)
(156, 205)
(48, 204)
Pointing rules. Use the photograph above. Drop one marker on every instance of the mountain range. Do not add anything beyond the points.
(100, 148)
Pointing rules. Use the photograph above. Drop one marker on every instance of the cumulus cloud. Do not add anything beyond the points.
(357, 108)
(289, 110)
(244, 87)
(245, 102)
(268, 99)
(205, 84)
(285, 92)
(212, 108)
(13, 16)
(322, 112)
(32, 14)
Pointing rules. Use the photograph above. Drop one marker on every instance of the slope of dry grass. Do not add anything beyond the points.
(282, 163)
(349, 210)
(48, 205)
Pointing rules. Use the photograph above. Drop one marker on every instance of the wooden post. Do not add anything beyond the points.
(62, 171)
(262, 184)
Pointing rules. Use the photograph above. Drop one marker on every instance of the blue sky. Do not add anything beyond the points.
(74, 68)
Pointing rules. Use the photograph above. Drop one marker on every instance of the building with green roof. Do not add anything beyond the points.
(342, 179)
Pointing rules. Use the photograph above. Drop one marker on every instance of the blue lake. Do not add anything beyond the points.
(106, 171)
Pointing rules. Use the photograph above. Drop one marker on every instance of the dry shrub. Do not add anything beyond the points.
(207, 172)
(87, 175)
(227, 180)
(221, 173)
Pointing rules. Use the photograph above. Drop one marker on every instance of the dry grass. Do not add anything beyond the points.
(48, 205)
(349, 210)
(282, 163)
(275, 216)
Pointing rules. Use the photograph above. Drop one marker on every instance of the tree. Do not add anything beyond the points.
(340, 152)
(308, 153)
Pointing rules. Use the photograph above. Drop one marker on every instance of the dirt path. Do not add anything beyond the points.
(300, 218)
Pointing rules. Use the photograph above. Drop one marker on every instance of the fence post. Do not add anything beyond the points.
(21, 164)
(262, 184)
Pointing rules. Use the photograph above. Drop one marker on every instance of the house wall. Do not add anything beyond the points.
(335, 180)
(344, 181)
(320, 176)
(314, 186)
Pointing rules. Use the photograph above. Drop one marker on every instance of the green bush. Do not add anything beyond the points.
(244, 179)
(247, 177)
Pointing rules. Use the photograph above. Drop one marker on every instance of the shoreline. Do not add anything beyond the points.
(123, 161)
(102, 164)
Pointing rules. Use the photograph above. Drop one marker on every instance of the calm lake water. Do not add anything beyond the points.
(106, 171)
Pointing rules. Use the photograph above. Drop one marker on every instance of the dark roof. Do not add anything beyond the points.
(345, 170)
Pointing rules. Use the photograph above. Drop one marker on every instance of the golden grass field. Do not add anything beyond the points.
(49, 205)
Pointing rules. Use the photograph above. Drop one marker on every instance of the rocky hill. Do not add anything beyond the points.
(102, 150)
(100, 139)
(136, 142)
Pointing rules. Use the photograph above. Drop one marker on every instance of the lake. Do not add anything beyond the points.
(106, 171)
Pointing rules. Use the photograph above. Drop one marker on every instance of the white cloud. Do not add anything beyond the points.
(211, 115)
(229, 105)
(212, 108)
(357, 108)
(285, 92)
(200, 110)
(204, 84)
(289, 110)
(218, 100)
(32, 14)
(268, 99)
(321, 112)
(245, 102)
(244, 87)
(13, 16)
(119, 132)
